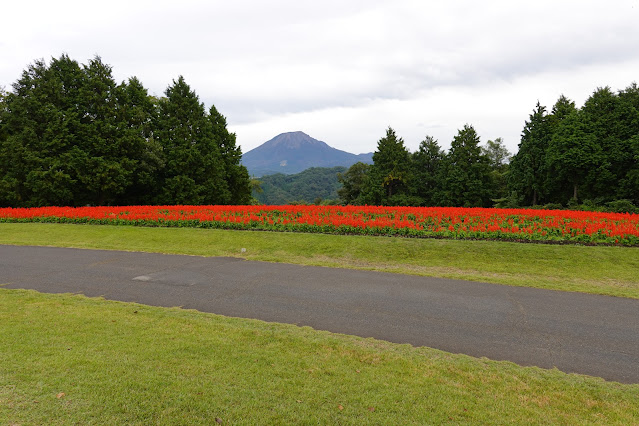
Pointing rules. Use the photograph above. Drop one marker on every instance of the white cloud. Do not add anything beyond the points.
(344, 71)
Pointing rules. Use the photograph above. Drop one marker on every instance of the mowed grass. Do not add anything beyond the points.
(612, 271)
(69, 359)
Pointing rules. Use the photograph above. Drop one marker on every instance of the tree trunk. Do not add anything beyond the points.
(574, 192)
(534, 197)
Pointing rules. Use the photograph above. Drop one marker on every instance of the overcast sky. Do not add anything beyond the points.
(343, 71)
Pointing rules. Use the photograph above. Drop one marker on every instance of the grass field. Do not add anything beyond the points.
(68, 359)
(610, 271)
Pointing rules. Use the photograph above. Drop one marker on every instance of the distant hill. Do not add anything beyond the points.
(294, 152)
(307, 186)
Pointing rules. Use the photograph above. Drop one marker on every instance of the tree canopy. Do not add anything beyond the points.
(468, 175)
(575, 155)
(586, 156)
(466, 172)
(71, 135)
(390, 176)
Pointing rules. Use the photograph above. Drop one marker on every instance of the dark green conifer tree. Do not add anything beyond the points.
(236, 175)
(40, 127)
(136, 113)
(426, 162)
(572, 155)
(465, 173)
(104, 160)
(390, 175)
(528, 174)
(194, 170)
(628, 165)
(556, 189)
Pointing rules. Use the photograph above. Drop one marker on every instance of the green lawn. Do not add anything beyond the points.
(68, 359)
(610, 271)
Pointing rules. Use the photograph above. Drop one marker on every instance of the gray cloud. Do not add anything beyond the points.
(265, 64)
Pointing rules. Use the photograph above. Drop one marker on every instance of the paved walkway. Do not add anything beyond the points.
(595, 335)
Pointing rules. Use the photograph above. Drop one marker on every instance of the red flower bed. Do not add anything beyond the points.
(439, 222)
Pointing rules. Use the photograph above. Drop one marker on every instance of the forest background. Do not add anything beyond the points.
(71, 135)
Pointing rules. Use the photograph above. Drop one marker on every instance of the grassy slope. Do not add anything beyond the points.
(68, 359)
(600, 270)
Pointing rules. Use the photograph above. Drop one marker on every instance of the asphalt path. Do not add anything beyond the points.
(580, 333)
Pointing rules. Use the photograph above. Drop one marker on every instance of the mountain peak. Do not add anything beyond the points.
(292, 140)
(293, 152)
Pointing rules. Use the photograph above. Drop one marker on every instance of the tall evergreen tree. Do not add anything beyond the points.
(69, 135)
(466, 172)
(556, 188)
(194, 170)
(235, 174)
(602, 114)
(628, 186)
(426, 163)
(390, 175)
(562, 109)
(103, 159)
(136, 113)
(41, 126)
(572, 154)
(527, 168)
(7, 193)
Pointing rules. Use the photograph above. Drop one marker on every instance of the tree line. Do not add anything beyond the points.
(468, 175)
(572, 154)
(70, 135)
(569, 157)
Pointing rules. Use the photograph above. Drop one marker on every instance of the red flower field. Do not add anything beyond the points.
(435, 222)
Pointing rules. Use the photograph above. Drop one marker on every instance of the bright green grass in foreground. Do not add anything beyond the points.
(599, 270)
(68, 359)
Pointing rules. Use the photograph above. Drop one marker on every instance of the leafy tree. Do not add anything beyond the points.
(5, 184)
(628, 165)
(390, 174)
(629, 186)
(426, 162)
(498, 160)
(602, 113)
(194, 170)
(562, 109)
(353, 181)
(466, 172)
(573, 152)
(41, 125)
(256, 185)
(527, 168)
(497, 154)
(235, 174)
(136, 113)
(70, 135)
(103, 159)
(556, 187)
(3, 111)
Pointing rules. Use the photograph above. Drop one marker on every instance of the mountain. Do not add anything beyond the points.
(309, 186)
(294, 152)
